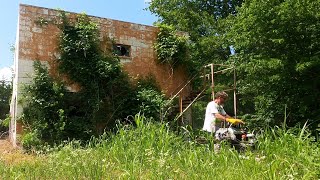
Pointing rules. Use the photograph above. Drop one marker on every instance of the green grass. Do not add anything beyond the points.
(152, 151)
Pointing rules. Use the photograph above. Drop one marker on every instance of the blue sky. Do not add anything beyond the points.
(125, 10)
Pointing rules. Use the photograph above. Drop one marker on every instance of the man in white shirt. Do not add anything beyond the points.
(215, 114)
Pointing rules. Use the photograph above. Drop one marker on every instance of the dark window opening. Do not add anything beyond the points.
(121, 50)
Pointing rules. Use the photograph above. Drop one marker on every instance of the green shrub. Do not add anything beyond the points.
(150, 100)
(5, 96)
(44, 108)
(5, 122)
(31, 140)
(171, 47)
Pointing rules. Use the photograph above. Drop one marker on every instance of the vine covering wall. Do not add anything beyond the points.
(51, 113)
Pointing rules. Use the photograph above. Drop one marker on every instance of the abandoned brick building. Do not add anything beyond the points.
(35, 42)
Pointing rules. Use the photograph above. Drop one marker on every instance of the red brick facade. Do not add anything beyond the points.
(38, 42)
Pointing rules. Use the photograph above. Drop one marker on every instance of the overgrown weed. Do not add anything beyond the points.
(152, 151)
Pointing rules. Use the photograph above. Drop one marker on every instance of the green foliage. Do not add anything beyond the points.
(56, 114)
(151, 151)
(198, 114)
(47, 115)
(150, 99)
(205, 24)
(31, 140)
(53, 114)
(41, 21)
(151, 102)
(277, 52)
(5, 122)
(203, 21)
(79, 45)
(276, 47)
(104, 86)
(199, 17)
(5, 96)
(171, 47)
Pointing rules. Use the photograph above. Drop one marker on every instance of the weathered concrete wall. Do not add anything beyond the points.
(40, 43)
(36, 42)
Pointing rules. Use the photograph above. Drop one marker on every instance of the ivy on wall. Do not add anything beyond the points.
(171, 47)
(52, 113)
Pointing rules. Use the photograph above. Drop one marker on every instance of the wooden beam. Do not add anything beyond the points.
(212, 80)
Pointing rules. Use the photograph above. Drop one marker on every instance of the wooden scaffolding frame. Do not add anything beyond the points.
(207, 77)
(234, 88)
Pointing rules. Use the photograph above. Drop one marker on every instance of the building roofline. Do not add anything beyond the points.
(27, 5)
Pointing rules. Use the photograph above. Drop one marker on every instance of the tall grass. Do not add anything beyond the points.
(152, 151)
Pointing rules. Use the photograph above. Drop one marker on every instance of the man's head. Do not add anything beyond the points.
(220, 97)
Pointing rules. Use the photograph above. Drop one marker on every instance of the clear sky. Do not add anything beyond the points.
(125, 10)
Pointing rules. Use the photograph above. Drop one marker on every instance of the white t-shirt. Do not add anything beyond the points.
(210, 124)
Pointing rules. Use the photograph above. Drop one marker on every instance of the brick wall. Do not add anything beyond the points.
(40, 43)
(36, 42)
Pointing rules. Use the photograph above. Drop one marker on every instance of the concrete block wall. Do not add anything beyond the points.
(41, 42)
(36, 42)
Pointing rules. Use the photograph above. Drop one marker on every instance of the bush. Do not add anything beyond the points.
(44, 111)
(150, 100)
(5, 122)
(31, 140)
(5, 96)
(170, 47)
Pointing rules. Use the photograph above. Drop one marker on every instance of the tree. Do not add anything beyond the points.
(5, 95)
(278, 53)
(198, 17)
(203, 20)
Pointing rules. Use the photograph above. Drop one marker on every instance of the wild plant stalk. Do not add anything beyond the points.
(152, 151)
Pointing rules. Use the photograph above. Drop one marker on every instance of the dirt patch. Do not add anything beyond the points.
(6, 146)
(11, 155)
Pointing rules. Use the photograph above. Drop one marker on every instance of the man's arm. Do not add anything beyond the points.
(221, 117)
(230, 119)
(228, 116)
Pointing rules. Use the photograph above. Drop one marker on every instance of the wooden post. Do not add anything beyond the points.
(204, 77)
(234, 92)
(212, 80)
(181, 107)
